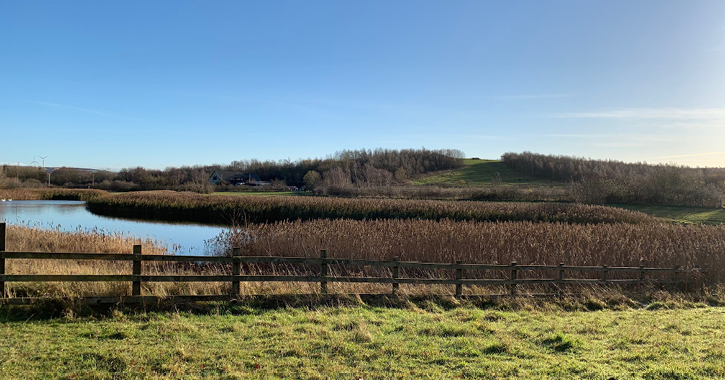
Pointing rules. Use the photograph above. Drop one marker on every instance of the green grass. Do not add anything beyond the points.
(481, 173)
(371, 343)
(681, 214)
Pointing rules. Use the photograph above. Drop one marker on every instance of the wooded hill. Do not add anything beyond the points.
(347, 167)
(607, 181)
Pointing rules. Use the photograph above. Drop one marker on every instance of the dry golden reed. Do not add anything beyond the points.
(225, 209)
(621, 244)
(50, 194)
(28, 239)
(445, 241)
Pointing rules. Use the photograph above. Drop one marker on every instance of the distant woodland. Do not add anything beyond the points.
(599, 181)
(386, 173)
(344, 168)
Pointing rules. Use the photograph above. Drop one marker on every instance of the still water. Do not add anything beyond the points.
(182, 239)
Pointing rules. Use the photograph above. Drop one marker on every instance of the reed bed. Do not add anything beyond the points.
(446, 241)
(30, 239)
(229, 210)
(497, 193)
(51, 194)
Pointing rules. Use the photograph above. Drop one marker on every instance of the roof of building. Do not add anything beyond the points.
(226, 175)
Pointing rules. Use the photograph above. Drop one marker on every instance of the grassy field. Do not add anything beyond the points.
(681, 214)
(361, 342)
(481, 173)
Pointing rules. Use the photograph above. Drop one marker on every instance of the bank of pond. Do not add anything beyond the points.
(72, 216)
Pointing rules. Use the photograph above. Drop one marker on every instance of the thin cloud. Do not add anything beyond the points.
(628, 137)
(622, 144)
(690, 155)
(70, 107)
(652, 113)
(581, 136)
(462, 137)
(530, 96)
(304, 103)
(89, 110)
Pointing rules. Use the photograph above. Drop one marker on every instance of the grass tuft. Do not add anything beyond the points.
(559, 343)
(658, 305)
(595, 304)
(496, 349)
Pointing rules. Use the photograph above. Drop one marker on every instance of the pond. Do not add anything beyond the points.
(181, 239)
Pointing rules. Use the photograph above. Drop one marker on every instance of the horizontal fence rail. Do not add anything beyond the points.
(510, 275)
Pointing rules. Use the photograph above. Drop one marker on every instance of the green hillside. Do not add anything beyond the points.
(482, 173)
(694, 215)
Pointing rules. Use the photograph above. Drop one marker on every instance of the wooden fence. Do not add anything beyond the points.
(511, 278)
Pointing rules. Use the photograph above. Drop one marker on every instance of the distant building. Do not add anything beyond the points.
(235, 178)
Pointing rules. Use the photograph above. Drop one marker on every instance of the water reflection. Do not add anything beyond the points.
(181, 239)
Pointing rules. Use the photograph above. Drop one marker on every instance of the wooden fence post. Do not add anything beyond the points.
(459, 275)
(641, 275)
(323, 271)
(236, 270)
(605, 275)
(3, 294)
(136, 289)
(396, 275)
(513, 278)
(562, 285)
(675, 278)
(703, 276)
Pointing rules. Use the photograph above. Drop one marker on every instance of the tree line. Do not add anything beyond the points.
(363, 167)
(609, 181)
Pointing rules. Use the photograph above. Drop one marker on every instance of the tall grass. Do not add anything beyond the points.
(51, 194)
(221, 209)
(28, 239)
(518, 193)
(658, 245)
(621, 244)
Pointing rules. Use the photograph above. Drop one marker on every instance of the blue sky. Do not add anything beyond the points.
(157, 84)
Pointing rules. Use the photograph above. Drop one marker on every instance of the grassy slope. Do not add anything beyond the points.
(682, 214)
(481, 173)
(372, 343)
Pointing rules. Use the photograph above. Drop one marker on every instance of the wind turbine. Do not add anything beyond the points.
(34, 162)
(43, 158)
